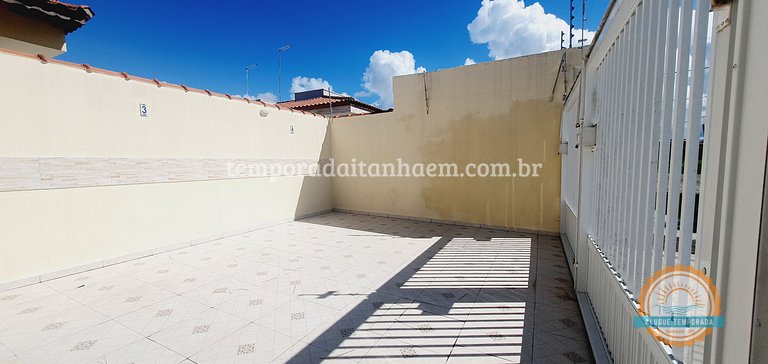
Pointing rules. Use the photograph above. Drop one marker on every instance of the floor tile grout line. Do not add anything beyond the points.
(254, 285)
(200, 349)
(107, 319)
(118, 323)
(145, 337)
(462, 326)
(9, 350)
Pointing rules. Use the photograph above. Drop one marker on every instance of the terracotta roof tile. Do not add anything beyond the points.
(65, 16)
(327, 101)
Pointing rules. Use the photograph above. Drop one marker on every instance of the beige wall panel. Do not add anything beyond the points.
(55, 111)
(492, 112)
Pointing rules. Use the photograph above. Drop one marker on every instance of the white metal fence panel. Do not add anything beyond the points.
(650, 91)
(610, 302)
(646, 78)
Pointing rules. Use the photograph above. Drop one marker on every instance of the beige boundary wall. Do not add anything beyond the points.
(86, 181)
(492, 112)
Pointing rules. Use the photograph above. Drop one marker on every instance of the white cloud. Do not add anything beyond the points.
(383, 65)
(300, 83)
(512, 29)
(267, 96)
(469, 61)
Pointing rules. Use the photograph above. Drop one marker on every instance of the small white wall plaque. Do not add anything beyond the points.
(292, 131)
(143, 112)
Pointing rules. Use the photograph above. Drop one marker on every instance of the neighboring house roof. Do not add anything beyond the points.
(326, 102)
(67, 17)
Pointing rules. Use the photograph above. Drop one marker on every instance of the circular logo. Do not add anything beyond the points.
(679, 305)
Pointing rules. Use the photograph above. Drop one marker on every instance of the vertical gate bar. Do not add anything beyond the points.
(593, 109)
(623, 89)
(621, 154)
(641, 137)
(635, 127)
(678, 122)
(611, 126)
(651, 254)
(616, 181)
(605, 123)
(605, 126)
(694, 128)
(646, 143)
(704, 244)
(662, 180)
(626, 149)
(613, 58)
(618, 86)
(600, 166)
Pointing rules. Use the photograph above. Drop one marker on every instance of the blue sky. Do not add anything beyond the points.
(207, 44)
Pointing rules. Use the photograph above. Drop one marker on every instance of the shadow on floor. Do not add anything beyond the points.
(474, 295)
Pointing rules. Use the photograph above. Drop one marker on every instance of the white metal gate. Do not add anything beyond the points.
(646, 88)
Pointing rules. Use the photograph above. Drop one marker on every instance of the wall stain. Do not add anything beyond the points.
(526, 129)
(494, 113)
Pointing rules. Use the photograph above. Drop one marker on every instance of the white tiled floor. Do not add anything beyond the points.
(336, 287)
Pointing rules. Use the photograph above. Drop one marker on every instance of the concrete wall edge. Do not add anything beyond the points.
(451, 222)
